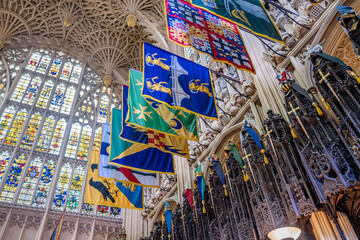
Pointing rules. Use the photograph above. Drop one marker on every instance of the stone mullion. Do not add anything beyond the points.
(7, 74)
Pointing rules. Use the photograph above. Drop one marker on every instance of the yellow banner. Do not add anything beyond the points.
(107, 192)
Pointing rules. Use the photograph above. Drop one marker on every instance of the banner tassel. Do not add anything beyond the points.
(265, 158)
(246, 176)
(203, 203)
(293, 132)
(318, 109)
(226, 192)
(326, 104)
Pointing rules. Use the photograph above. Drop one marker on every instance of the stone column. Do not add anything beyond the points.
(323, 228)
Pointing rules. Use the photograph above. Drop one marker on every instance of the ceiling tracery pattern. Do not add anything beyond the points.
(95, 30)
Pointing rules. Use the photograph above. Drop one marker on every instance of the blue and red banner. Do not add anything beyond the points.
(192, 27)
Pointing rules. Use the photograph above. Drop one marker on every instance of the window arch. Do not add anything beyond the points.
(50, 118)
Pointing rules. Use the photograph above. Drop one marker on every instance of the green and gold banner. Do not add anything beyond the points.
(249, 14)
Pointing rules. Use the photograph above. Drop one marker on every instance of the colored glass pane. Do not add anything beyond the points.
(74, 193)
(32, 90)
(34, 61)
(103, 109)
(31, 178)
(75, 75)
(55, 67)
(73, 142)
(62, 186)
(12, 180)
(21, 87)
(97, 139)
(58, 136)
(84, 143)
(45, 136)
(31, 130)
(45, 94)
(87, 208)
(44, 63)
(5, 121)
(69, 98)
(115, 212)
(4, 160)
(102, 210)
(58, 98)
(43, 187)
(66, 71)
(16, 128)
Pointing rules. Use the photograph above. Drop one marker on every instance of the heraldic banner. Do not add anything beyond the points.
(107, 192)
(136, 156)
(178, 82)
(152, 115)
(120, 173)
(249, 14)
(192, 27)
(161, 141)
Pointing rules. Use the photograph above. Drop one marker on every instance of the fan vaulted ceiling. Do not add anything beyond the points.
(95, 30)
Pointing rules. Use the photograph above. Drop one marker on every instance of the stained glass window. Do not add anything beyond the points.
(103, 109)
(32, 91)
(21, 87)
(84, 143)
(58, 136)
(76, 183)
(102, 210)
(115, 212)
(75, 75)
(45, 136)
(45, 94)
(31, 130)
(16, 127)
(4, 160)
(58, 97)
(62, 186)
(87, 208)
(55, 67)
(34, 61)
(6, 120)
(29, 185)
(66, 71)
(12, 181)
(44, 63)
(43, 187)
(73, 142)
(97, 139)
(69, 99)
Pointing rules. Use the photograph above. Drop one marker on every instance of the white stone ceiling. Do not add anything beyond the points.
(95, 30)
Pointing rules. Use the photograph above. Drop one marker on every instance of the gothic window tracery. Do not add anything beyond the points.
(38, 116)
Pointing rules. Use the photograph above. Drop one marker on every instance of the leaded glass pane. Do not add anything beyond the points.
(74, 194)
(4, 160)
(58, 136)
(62, 186)
(103, 109)
(34, 61)
(45, 60)
(73, 140)
(87, 208)
(12, 181)
(102, 210)
(58, 98)
(21, 87)
(97, 139)
(115, 212)
(66, 71)
(45, 94)
(45, 136)
(75, 75)
(31, 130)
(69, 98)
(6, 120)
(55, 67)
(31, 178)
(84, 143)
(31, 92)
(16, 127)
(43, 187)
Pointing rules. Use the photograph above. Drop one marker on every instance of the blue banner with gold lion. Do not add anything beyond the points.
(178, 82)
